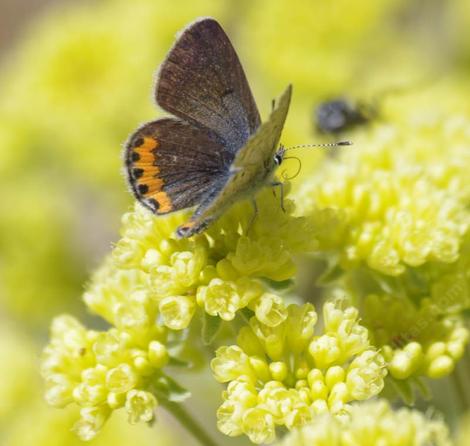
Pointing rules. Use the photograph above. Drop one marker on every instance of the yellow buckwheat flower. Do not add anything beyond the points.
(104, 371)
(219, 270)
(371, 424)
(22, 401)
(415, 341)
(393, 223)
(152, 278)
(391, 206)
(288, 374)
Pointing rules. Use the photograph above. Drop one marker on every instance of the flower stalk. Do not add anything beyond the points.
(188, 422)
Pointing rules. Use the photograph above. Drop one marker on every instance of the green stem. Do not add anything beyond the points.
(461, 381)
(186, 420)
(464, 374)
(459, 390)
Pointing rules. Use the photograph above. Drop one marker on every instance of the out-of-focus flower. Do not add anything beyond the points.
(51, 427)
(463, 435)
(38, 234)
(371, 424)
(415, 341)
(18, 379)
(329, 60)
(286, 375)
(335, 63)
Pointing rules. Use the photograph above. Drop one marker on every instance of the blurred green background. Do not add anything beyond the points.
(76, 78)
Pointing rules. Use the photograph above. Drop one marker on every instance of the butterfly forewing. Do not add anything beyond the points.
(261, 147)
(251, 169)
(203, 82)
(171, 164)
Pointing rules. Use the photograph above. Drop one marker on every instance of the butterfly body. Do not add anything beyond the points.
(214, 151)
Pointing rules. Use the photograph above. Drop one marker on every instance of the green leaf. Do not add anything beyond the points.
(210, 328)
(167, 388)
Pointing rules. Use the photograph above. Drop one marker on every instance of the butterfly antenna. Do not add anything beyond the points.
(328, 144)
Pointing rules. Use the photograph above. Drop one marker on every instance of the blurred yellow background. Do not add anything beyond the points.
(76, 79)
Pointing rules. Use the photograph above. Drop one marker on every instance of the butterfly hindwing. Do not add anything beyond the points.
(252, 167)
(171, 165)
(203, 82)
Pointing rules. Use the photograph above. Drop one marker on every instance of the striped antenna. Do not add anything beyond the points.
(330, 144)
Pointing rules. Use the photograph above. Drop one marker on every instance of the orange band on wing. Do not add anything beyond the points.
(164, 202)
(146, 175)
(147, 144)
(153, 184)
(144, 154)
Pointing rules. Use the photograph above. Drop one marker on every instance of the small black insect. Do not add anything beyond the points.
(337, 115)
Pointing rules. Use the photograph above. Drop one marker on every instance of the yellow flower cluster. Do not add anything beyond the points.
(287, 375)
(392, 220)
(389, 209)
(22, 402)
(371, 424)
(391, 217)
(415, 341)
(220, 270)
(106, 370)
(150, 277)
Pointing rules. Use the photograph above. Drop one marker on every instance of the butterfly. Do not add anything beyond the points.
(213, 151)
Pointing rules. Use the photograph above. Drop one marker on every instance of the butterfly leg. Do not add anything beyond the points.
(255, 214)
(281, 190)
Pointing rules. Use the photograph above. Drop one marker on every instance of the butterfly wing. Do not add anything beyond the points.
(261, 147)
(172, 165)
(203, 83)
(252, 167)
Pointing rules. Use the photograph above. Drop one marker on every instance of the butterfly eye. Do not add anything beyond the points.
(278, 159)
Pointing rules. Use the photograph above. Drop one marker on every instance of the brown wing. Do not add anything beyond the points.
(171, 164)
(203, 82)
